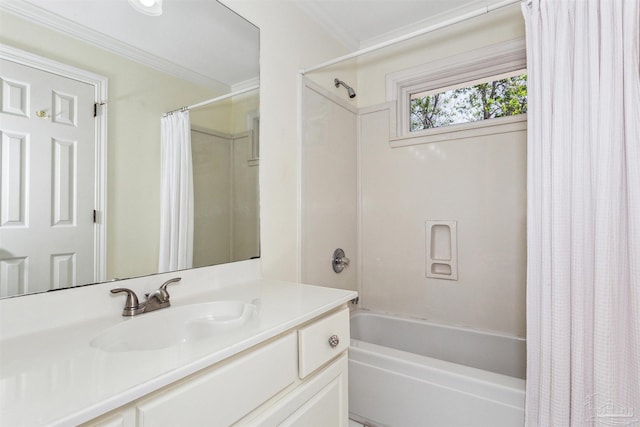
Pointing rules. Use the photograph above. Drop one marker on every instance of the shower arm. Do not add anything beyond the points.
(350, 91)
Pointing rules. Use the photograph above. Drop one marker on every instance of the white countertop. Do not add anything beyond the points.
(55, 377)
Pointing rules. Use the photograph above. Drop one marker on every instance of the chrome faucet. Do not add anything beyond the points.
(154, 301)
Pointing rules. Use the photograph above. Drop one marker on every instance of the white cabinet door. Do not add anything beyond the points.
(47, 156)
(325, 408)
(321, 401)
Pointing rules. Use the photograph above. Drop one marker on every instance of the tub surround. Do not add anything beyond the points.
(477, 182)
(51, 375)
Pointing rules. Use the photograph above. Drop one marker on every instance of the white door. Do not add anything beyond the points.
(47, 155)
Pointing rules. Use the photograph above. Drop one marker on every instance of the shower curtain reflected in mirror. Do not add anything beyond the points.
(176, 193)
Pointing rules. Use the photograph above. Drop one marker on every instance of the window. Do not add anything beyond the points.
(499, 97)
(452, 98)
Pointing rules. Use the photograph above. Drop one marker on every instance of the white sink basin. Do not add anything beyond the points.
(172, 326)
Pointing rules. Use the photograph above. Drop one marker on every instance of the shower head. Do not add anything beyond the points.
(350, 91)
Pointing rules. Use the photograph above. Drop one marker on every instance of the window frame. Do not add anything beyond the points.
(469, 67)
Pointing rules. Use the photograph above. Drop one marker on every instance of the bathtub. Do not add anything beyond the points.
(412, 373)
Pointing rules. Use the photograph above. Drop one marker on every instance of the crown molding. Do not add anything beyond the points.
(245, 84)
(54, 22)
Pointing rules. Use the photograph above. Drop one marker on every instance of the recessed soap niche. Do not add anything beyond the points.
(441, 249)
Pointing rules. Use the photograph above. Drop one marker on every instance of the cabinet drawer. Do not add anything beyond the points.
(227, 393)
(314, 345)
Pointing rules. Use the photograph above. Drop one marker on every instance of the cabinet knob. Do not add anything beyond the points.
(334, 340)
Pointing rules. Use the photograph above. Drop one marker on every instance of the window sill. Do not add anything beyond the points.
(462, 131)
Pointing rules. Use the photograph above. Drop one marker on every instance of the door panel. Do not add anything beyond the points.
(14, 147)
(47, 182)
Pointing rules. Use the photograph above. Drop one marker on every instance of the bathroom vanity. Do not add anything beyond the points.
(256, 352)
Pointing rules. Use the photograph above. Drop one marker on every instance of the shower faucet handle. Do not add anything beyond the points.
(339, 261)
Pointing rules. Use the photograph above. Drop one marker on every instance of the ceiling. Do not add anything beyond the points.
(227, 46)
(362, 23)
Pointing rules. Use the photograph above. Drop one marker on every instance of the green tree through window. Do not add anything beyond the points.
(492, 99)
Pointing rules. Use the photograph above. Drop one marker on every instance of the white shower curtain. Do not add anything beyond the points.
(583, 280)
(176, 193)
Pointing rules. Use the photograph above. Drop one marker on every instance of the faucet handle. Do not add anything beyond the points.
(132, 300)
(164, 295)
(170, 281)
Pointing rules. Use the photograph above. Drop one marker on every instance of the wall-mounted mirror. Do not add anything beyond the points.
(65, 62)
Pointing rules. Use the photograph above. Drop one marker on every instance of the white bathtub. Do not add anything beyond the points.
(411, 373)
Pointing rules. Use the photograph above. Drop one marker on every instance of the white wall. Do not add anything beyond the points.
(225, 184)
(212, 177)
(245, 242)
(479, 182)
(329, 188)
(218, 117)
(289, 41)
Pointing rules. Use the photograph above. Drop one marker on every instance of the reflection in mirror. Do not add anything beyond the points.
(209, 185)
(225, 173)
(135, 67)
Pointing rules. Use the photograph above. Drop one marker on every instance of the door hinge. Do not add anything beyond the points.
(95, 216)
(96, 105)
